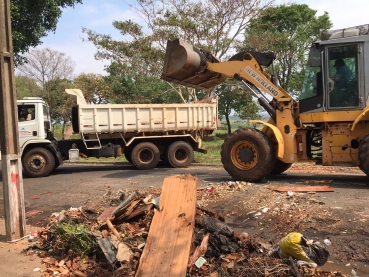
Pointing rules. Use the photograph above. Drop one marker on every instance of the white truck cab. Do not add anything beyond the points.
(38, 147)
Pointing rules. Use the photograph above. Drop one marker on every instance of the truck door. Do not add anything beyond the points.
(344, 64)
(28, 125)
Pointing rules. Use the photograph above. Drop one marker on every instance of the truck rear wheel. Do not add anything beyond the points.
(248, 155)
(280, 167)
(180, 154)
(363, 155)
(145, 155)
(128, 155)
(38, 162)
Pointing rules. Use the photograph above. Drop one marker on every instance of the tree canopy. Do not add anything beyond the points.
(288, 31)
(32, 20)
(48, 68)
(214, 25)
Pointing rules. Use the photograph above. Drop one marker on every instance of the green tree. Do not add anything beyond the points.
(27, 87)
(94, 87)
(235, 98)
(214, 25)
(32, 20)
(288, 31)
(47, 67)
(128, 86)
(61, 102)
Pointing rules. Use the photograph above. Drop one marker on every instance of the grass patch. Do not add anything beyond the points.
(74, 237)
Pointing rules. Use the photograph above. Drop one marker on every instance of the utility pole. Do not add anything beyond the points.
(10, 154)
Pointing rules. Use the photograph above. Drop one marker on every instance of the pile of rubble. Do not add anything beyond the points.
(167, 231)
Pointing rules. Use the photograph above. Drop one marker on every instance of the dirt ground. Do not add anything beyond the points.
(265, 215)
(268, 215)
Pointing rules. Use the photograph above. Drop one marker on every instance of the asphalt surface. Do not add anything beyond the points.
(71, 185)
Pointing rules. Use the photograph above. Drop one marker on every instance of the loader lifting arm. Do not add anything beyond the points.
(192, 67)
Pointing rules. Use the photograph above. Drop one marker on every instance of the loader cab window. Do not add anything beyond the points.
(342, 84)
(311, 97)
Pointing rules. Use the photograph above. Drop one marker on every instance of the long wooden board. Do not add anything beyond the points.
(167, 248)
(302, 188)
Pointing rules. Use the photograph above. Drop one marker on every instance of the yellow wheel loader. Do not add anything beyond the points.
(328, 125)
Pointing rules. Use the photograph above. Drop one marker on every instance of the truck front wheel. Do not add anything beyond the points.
(145, 155)
(248, 155)
(180, 154)
(38, 162)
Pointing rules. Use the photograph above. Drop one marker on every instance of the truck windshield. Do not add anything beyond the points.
(312, 85)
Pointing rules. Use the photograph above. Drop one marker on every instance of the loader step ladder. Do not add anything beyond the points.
(91, 141)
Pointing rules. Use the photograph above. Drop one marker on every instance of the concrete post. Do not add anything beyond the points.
(9, 138)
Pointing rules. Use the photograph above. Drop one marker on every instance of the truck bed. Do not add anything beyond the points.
(125, 118)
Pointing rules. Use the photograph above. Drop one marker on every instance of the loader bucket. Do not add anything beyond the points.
(185, 64)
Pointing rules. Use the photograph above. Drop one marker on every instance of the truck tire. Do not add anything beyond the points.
(145, 155)
(38, 162)
(128, 155)
(363, 155)
(180, 154)
(280, 167)
(248, 155)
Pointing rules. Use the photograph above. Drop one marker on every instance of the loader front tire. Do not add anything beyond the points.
(248, 155)
(363, 155)
(145, 155)
(38, 162)
(280, 167)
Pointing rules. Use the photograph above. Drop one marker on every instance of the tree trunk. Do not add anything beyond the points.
(228, 123)
(63, 129)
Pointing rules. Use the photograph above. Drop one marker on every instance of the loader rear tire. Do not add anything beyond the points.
(38, 162)
(180, 154)
(363, 155)
(248, 155)
(145, 155)
(280, 167)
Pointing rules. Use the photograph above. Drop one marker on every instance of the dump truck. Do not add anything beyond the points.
(327, 125)
(144, 133)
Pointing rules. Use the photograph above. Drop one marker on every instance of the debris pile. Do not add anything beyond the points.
(162, 234)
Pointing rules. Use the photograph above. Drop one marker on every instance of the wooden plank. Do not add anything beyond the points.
(302, 188)
(167, 248)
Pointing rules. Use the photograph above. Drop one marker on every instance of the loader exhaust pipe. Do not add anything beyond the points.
(186, 65)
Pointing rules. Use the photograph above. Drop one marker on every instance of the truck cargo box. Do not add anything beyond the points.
(126, 118)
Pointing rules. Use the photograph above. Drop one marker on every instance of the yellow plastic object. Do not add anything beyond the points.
(278, 136)
(290, 245)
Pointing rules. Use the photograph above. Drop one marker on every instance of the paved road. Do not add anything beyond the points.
(71, 185)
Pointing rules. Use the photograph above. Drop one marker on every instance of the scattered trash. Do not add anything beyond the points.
(124, 253)
(33, 213)
(106, 241)
(290, 193)
(303, 249)
(36, 269)
(327, 242)
(37, 196)
(200, 262)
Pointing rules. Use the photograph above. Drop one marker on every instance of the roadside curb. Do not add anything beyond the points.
(127, 163)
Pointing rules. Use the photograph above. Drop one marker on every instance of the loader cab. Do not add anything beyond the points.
(334, 77)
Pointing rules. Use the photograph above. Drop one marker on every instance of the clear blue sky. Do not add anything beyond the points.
(98, 15)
